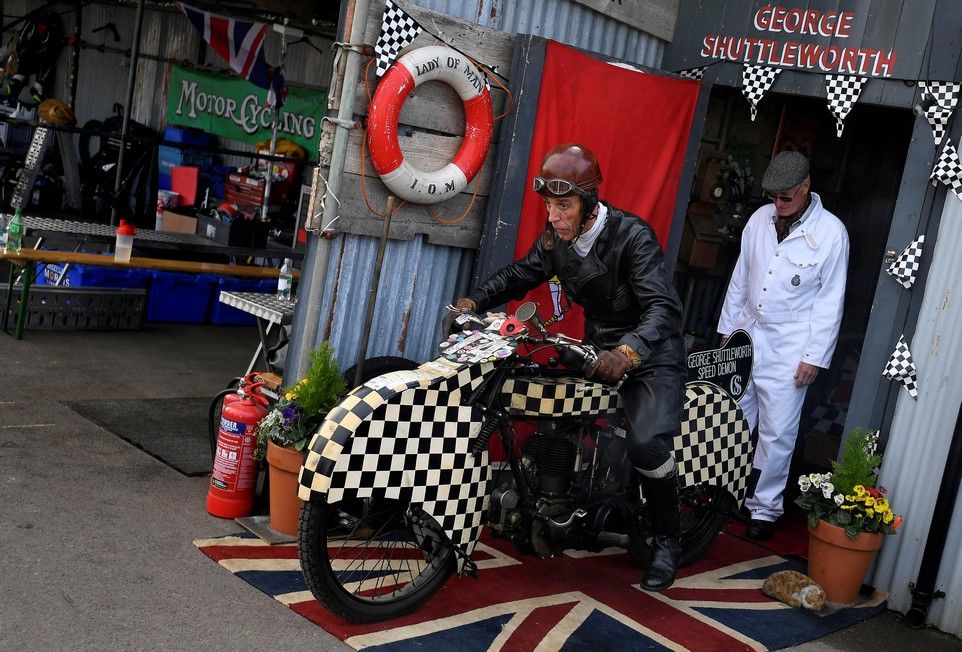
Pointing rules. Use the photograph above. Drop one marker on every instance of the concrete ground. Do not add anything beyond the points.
(95, 534)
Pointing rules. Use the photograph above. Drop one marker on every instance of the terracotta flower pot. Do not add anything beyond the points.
(838, 563)
(283, 466)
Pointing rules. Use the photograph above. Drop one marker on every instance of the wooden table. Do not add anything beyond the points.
(49, 228)
(26, 258)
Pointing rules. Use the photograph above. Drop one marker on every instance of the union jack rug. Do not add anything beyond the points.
(575, 602)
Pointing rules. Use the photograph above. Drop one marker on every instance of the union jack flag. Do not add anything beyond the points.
(577, 601)
(239, 42)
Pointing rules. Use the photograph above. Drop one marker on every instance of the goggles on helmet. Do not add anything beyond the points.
(557, 187)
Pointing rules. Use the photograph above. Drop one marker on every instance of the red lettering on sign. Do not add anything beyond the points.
(804, 21)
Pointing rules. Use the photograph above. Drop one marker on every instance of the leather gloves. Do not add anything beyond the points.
(609, 367)
(448, 326)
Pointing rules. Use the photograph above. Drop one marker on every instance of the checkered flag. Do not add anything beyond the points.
(843, 92)
(948, 169)
(906, 265)
(901, 368)
(693, 73)
(756, 81)
(944, 97)
(397, 30)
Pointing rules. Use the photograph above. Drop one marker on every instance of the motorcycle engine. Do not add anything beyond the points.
(551, 455)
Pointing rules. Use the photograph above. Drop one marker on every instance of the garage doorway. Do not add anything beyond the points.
(857, 176)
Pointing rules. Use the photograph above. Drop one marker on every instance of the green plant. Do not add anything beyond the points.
(303, 405)
(848, 496)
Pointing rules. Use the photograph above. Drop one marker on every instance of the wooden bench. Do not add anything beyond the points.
(25, 259)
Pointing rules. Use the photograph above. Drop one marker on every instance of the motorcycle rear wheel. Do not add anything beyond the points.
(703, 512)
(373, 559)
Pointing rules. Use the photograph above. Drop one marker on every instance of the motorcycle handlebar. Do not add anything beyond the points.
(528, 314)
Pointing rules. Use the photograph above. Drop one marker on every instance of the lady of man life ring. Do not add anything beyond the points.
(426, 64)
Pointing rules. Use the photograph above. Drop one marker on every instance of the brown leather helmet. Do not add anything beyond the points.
(569, 169)
(568, 162)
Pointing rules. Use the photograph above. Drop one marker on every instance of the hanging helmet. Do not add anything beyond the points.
(571, 169)
(56, 112)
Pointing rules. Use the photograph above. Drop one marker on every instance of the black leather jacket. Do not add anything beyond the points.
(622, 285)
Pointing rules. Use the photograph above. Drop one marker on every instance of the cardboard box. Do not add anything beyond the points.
(178, 223)
(239, 233)
(700, 241)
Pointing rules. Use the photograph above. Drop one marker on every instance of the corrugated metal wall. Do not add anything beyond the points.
(560, 20)
(921, 433)
(419, 278)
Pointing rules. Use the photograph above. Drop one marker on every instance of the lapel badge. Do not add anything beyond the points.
(796, 280)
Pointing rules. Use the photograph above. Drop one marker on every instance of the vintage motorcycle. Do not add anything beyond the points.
(398, 481)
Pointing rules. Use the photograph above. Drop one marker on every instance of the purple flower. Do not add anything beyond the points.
(290, 415)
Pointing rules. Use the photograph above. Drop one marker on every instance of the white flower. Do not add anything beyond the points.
(804, 483)
(839, 499)
(828, 489)
(815, 479)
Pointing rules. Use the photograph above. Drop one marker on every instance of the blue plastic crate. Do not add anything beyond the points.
(169, 157)
(92, 277)
(186, 135)
(179, 297)
(221, 313)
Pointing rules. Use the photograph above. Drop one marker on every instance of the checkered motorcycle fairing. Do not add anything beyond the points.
(714, 444)
(406, 434)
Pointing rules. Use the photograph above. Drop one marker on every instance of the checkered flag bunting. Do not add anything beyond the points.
(843, 92)
(756, 81)
(397, 30)
(901, 368)
(693, 73)
(948, 169)
(906, 265)
(939, 99)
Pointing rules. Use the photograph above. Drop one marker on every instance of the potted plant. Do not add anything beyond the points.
(848, 517)
(285, 432)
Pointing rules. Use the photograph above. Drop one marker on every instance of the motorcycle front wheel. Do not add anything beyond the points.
(703, 512)
(368, 560)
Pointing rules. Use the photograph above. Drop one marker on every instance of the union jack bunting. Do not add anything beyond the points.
(239, 42)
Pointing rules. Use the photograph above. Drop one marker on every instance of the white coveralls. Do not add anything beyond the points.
(788, 296)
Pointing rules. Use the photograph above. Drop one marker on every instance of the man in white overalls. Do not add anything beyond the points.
(787, 290)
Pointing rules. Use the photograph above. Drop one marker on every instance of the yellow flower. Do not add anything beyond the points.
(859, 490)
(869, 501)
(888, 517)
(847, 506)
(870, 512)
(881, 504)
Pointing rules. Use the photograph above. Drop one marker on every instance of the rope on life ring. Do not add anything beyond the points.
(429, 63)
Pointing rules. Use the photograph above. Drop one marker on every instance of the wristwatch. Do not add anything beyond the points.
(634, 360)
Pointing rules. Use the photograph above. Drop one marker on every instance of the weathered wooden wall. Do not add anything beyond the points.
(431, 124)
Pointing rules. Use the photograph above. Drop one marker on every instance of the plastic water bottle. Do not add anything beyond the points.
(285, 281)
(15, 232)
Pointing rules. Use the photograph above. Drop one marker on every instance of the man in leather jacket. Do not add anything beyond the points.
(610, 263)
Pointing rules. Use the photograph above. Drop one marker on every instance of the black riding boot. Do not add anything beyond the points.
(661, 495)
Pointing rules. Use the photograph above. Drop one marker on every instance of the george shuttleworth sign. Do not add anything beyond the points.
(867, 38)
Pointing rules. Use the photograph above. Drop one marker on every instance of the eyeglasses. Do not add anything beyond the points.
(783, 198)
(557, 186)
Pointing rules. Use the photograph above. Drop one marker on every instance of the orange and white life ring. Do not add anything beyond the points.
(429, 63)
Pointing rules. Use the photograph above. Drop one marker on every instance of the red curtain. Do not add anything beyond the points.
(637, 125)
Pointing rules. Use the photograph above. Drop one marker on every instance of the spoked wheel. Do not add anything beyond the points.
(373, 559)
(703, 512)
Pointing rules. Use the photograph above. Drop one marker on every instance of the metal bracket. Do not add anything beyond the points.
(340, 122)
(315, 208)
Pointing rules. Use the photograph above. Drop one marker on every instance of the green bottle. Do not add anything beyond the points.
(15, 232)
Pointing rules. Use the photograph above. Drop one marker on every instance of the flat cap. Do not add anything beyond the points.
(787, 170)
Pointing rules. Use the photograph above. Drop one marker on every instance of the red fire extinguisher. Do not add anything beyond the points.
(234, 479)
